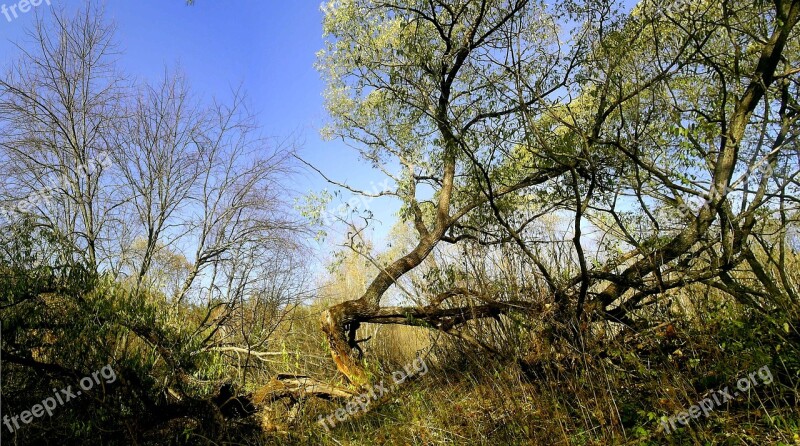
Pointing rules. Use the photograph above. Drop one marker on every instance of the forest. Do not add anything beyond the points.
(594, 235)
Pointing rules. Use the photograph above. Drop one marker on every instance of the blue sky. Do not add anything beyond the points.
(266, 46)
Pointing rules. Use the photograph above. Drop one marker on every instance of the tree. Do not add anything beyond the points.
(623, 126)
(166, 247)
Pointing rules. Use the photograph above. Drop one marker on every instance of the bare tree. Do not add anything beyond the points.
(175, 207)
(59, 106)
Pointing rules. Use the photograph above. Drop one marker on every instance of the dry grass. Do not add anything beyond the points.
(613, 390)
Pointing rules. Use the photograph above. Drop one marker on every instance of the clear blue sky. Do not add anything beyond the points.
(266, 46)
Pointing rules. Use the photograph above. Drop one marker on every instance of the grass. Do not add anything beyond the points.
(612, 392)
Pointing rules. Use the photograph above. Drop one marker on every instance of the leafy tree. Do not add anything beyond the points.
(663, 128)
